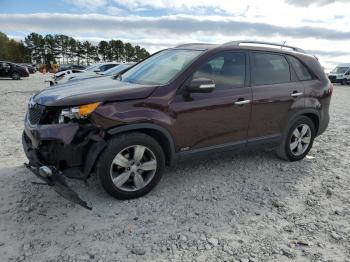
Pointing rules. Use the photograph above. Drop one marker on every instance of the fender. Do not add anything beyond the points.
(302, 112)
(149, 126)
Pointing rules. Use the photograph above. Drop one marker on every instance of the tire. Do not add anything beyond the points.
(289, 140)
(15, 76)
(343, 82)
(112, 165)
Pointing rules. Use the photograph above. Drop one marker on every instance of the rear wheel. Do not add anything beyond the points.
(131, 165)
(298, 140)
(15, 76)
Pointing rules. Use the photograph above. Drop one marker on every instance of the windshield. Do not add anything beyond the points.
(160, 68)
(115, 70)
(340, 70)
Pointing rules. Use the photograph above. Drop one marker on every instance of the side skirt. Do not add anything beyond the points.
(260, 142)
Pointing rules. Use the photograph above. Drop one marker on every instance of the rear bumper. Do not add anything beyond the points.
(24, 74)
(323, 124)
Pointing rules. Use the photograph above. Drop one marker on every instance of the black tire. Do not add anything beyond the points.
(284, 151)
(118, 144)
(15, 76)
(343, 82)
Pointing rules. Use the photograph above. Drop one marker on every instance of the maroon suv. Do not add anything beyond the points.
(191, 99)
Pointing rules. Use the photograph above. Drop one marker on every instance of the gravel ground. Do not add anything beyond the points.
(233, 207)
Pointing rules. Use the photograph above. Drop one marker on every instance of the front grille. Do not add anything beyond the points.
(34, 113)
(331, 77)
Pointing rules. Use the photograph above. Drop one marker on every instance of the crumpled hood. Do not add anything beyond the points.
(87, 91)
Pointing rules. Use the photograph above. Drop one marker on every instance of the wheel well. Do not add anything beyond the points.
(314, 119)
(159, 137)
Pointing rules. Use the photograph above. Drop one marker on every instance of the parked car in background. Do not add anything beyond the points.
(110, 72)
(340, 74)
(179, 102)
(65, 76)
(102, 67)
(14, 71)
(31, 68)
(119, 69)
(70, 67)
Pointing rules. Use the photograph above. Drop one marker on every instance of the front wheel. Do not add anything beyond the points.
(298, 140)
(15, 76)
(131, 165)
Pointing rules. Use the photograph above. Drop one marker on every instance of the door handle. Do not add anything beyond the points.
(242, 102)
(296, 94)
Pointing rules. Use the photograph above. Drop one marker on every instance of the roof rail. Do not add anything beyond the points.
(184, 45)
(238, 42)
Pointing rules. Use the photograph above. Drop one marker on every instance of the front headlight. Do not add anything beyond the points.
(78, 112)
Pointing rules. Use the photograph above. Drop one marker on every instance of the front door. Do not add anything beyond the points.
(220, 117)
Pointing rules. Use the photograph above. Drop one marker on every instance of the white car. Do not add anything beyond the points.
(110, 72)
(65, 76)
(340, 74)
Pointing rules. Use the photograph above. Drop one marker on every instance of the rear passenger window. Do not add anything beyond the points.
(301, 71)
(226, 69)
(268, 69)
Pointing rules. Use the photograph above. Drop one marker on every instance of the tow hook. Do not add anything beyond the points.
(55, 179)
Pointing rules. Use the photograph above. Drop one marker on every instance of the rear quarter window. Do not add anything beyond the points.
(302, 72)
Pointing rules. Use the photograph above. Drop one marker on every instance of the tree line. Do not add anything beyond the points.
(13, 51)
(63, 49)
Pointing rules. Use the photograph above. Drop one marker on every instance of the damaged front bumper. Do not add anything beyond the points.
(55, 179)
(59, 151)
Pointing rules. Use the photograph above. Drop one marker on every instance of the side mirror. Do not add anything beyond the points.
(201, 85)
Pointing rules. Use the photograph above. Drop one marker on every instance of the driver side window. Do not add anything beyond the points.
(227, 70)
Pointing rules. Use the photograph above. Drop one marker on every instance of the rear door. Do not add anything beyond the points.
(276, 94)
(214, 119)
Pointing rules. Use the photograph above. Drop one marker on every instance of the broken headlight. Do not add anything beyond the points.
(77, 112)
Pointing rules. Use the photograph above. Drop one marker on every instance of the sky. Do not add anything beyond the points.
(322, 27)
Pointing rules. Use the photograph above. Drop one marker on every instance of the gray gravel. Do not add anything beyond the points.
(232, 207)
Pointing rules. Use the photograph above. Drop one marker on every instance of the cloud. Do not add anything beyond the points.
(88, 4)
(326, 53)
(314, 2)
(181, 25)
(111, 10)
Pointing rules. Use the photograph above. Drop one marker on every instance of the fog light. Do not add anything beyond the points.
(45, 171)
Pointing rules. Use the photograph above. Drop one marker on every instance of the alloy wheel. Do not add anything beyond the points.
(133, 168)
(300, 139)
